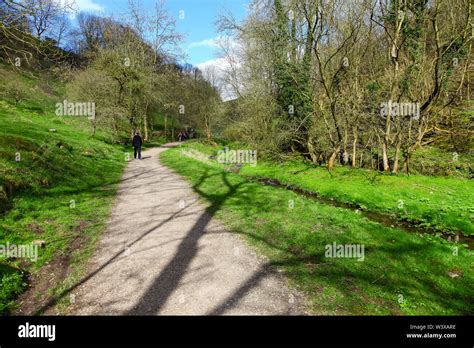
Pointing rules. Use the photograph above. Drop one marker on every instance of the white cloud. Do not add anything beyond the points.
(219, 64)
(212, 43)
(217, 42)
(88, 5)
(216, 69)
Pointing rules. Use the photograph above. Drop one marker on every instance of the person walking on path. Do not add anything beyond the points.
(137, 145)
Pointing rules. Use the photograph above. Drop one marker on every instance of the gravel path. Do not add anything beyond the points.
(163, 253)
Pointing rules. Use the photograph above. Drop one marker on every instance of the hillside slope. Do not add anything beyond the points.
(57, 183)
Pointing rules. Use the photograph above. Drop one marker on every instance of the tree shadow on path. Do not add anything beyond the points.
(167, 282)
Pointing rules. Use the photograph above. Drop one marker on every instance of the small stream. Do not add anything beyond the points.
(383, 219)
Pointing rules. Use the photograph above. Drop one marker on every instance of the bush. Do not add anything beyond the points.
(11, 285)
(15, 90)
(4, 203)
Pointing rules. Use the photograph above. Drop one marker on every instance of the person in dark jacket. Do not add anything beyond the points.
(137, 145)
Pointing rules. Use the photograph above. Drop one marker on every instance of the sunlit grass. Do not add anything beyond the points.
(63, 185)
(402, 273)
(444, 203)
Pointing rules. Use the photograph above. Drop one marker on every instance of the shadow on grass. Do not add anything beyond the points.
(385, 279)
(378, 282)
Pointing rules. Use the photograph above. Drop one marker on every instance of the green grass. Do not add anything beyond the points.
(439, 202)
(443, 161)
(12, 284)
(443, 203)
(63, 186)
(62, 181)
(402, 273)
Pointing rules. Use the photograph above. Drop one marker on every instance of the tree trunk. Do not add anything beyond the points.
(406, 164)
(344, 154)
(311, 150)
(207, 124)
(94, 127)
(145, 128)
(172, 129)
(386, 167)
(354, 150)
(333, 158)
(397, 155)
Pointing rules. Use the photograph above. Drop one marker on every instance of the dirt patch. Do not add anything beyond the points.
(82, 225)
(4, 201)
(48, 277)
(34, 227)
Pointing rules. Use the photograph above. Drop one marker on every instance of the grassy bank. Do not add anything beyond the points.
(401, 273)
(57, 186)
(60, 184)
(443, 203)
(438, 202)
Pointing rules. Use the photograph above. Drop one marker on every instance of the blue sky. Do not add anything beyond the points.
(197, 25)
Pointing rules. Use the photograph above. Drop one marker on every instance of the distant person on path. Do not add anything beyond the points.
(180, 136)
(137, 145)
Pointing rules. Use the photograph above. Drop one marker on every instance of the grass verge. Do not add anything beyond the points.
(401, 273)
(60, 183)
(440, 203)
